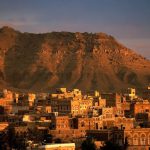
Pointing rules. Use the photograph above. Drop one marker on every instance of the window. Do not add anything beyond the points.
(143, 139)
(147, 110)
(82, 124)
(149, 139)
(129, 139)
(135, 140)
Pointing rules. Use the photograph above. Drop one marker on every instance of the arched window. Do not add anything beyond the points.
(143, 139)
(129, 140)
(82, 124)
(135, 139)
(149, 139)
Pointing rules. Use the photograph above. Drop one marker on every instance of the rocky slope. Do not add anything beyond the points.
(73, 60)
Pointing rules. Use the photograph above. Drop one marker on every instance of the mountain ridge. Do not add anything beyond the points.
(89, 61)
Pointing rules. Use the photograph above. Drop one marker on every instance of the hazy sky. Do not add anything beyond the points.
(127, 20)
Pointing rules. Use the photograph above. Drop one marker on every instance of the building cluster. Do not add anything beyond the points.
(32, 120)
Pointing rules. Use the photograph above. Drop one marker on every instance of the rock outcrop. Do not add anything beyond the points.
(73, 60)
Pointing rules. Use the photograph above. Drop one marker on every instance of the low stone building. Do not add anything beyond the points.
(138, 138)
(62, 146)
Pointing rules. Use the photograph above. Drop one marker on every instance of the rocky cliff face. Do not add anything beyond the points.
(73, 60)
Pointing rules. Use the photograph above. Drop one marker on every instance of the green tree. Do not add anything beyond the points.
(48, 138)
(111, 146)
(58, 140)
(88, 144)
(11, 137)
(14, 140)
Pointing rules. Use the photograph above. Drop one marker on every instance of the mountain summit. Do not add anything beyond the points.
(73, 60)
